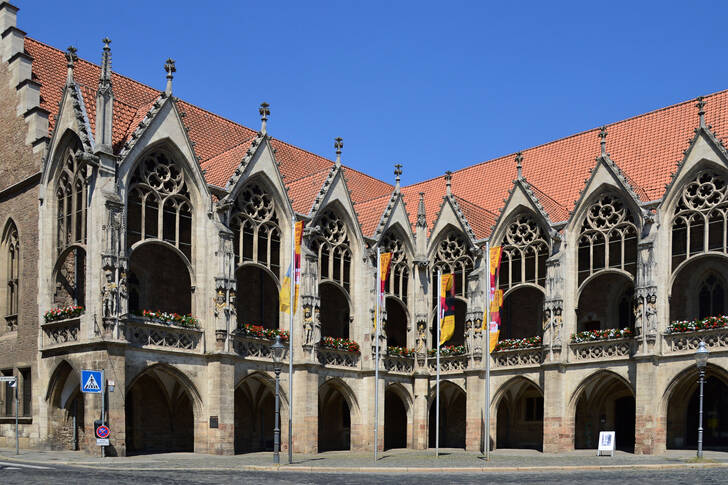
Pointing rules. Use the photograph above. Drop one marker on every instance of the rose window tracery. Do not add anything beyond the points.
(257, 234)
(333, 250)
(159, 203)
(699, 223)
(608, 237)
(452, 256)
(525, 249)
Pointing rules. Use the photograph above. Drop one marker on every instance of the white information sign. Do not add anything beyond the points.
(102, 441)
(606, 443)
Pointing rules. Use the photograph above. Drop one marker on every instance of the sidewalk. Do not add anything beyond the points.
(391, 461)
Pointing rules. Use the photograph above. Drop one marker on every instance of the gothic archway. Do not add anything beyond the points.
(396, 323)
(159, 279)
(334, 419)
(700, 288)
(254, 414)
(458, 336)
(452, 416)
(519, 419)
(522, 309)
(334, 312)
(682, 410)
(606, 301)
(604, 402)
(395, 420)
(257, 297)
(67, 424)
(160, 412)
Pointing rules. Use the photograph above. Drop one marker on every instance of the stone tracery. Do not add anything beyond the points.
(257, 235)
(525, 249)
(333, 250)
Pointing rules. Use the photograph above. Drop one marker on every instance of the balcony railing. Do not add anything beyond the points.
(60, 332)
(518, 357)
(337, 358)
(145, 334)
(611, 349)
(398, 364)
(449, 364)
(715, 338)
(255, 348)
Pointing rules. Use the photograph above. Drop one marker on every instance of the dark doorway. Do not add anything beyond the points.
(334, 311)
(254, 415)
(257, 297)
(334, 420)
(159, 280)
(396, 323)
(624, 425)
(452, 417)
(395, 421)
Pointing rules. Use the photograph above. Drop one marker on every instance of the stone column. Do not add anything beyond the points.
(221, 404)
(419, 411)
(474, 413)
(115, 371)
(558, 422)
(650, 430)
(305, 411)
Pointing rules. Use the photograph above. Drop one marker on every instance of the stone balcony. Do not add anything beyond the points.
(398, 364)
(60, 332)
(255, 348)
(338, 358)
(450, 364)
(513, 358)
(687, 342)
(611, 349)
(150, 335)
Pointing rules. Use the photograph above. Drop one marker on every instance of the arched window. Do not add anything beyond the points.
(11, 249)
(608, 238)
(452, 256)
(525, 249)
(255, 225)
(159, 203)
(699, 224)
(711, 297)
(71, 199)
(399, 270)
(333, 250)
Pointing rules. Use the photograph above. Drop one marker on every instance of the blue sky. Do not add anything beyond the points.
(432, 85)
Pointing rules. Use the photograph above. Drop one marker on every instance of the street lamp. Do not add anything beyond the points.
(701, 360)
(277, 349)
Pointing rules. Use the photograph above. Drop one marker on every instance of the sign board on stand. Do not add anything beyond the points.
(606, 443)
(91, 381)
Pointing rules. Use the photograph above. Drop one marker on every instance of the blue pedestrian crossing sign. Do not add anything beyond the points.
(92, 381)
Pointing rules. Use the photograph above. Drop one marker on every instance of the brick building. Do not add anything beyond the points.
(117, 198)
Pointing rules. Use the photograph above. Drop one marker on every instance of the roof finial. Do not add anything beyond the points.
(603, 142)
(701, 111)
(448, 182)
(169, 67)
(71, 59)
(338, 145)
(264, 114)
(397, 173)
(519, 165)
(421, 216)
(105, 77)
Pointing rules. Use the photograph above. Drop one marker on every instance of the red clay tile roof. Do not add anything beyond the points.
(480, 220)
(370, 213)
(647, 148)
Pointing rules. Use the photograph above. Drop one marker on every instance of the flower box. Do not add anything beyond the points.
(400, 351)
(447, 350)
(339, 344)
(63, 313)
(518, 343)
(173, 319)
(682, 326)
(258, 331)
(596, 335)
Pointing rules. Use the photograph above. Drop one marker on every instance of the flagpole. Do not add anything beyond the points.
(486, 424)
(437, 381)
(376, 358)
(290, 340)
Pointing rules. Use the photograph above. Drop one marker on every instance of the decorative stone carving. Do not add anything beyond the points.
(337, 358)
(421, 336)
(109, 296)
(518, 357)
(449, 364)
(157, 335)
(254, 348)
(399, 364)
(689, 341)
(61, 332)
(603, 350)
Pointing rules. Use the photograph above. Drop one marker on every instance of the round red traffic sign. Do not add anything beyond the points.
(102, 432)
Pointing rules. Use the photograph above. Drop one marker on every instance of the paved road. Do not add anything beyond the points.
(16, 473)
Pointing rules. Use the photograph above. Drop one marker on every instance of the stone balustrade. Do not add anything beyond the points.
(448, 364)
(714, 338)
(337, 358)
(167, 337)
(398, 364)
(611, 349)
(518, 357)
(60, 332)
(256, 348)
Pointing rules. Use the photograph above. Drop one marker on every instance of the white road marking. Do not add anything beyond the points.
(15, 466)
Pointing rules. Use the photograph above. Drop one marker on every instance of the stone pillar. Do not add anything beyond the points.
(221, 404)
(558, 422)
(419, 412)
(474, 413)
(650, 430)
(305, 411)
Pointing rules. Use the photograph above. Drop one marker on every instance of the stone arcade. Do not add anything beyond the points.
(118, 201)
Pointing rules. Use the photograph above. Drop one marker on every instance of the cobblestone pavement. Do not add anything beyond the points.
(12, 474)
(388, 459)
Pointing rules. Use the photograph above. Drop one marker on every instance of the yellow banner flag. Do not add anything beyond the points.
(447, 307)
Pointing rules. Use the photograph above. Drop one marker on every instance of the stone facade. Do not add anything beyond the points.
(120, 230)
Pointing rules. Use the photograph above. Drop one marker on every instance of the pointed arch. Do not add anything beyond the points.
(10, 270)
(333, 246)
(526, 246)
(518, 407)
(338, 413)
(399, 273)
(452, 415)
(254, 404)
(397, 417)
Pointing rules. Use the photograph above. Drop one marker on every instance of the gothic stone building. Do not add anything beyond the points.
(118, 198)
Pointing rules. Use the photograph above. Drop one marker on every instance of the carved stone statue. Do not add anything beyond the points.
(421, 336)
(307, 326)
(109, 294)
(558, 323)
(219, 302)
(651, 314)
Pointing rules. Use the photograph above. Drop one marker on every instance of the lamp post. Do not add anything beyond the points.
(701, 359)
(277, 349)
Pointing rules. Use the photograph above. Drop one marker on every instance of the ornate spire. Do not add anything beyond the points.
(701, 110)
(519, 165)
(421, 216)
(71, 59)
(105, 76)
(397, 173)
(338, 145)
(264, 114)
(448, 182)
(170, 69)
(603, 142)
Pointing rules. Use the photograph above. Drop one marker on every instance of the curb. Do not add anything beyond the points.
(384, 470)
